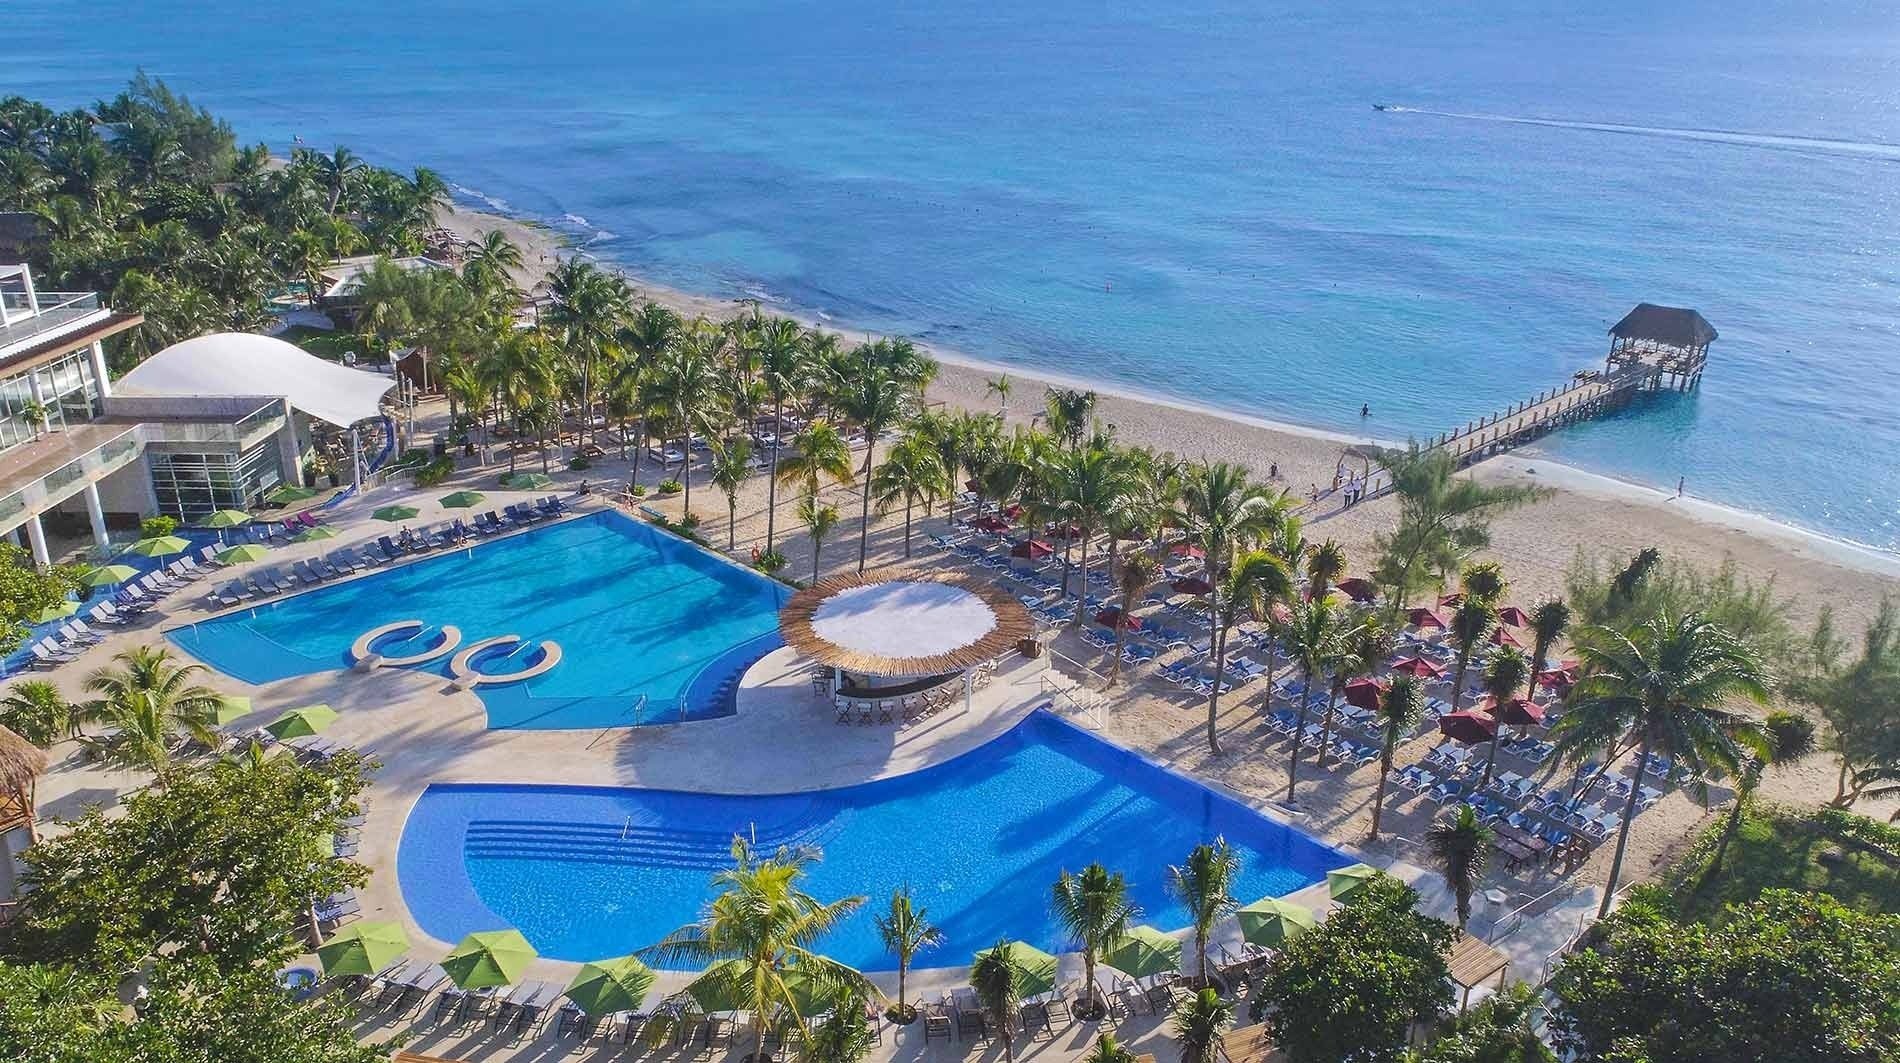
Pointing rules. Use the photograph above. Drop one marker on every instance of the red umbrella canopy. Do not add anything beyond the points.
(1186, 549)
(1032, 549)
(1279, 613)
(1112, 615)
(1555, 680)
(1013, 510)
(1359, 590)
(1422, 617)
(1468, 727)
(1192, 585)
(972, 485)
(1501, 637)
(1417, 667)
(990, 524)
(1514, 616)
(1364, 693)
(1518, 712)
(1454, 598)
(1070, 531)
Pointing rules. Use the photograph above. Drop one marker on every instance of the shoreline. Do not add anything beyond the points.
(542, 242)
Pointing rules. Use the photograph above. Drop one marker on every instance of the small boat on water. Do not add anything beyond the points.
(1381, 106)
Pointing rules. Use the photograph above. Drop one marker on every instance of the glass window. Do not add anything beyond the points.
(191, 486)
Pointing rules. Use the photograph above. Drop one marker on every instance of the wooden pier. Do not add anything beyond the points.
(1654, 348)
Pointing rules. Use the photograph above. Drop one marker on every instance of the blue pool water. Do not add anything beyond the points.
(1191, 198)
(635, 611)
(592, 872)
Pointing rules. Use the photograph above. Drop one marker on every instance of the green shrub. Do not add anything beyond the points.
(638, 490)
(770, 562)
(153, 527)
(577, 463)
(670, 486)
(1859, 830)
(435, 471)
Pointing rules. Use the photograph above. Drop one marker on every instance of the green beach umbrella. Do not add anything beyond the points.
(107, 575)
(718, 988)
(462, 500)
(301, 723)
(59, 611)
(489, 958)
(606, 986)
(316, 534)
(227, 518)
(395, 514)
(238, 555)
(1144, 952)
(1272, 922)
(290, 493)
(159, 546)
(529, 481)
(229, 707)
(1347, 881)
(1035, 969)
(363, 948)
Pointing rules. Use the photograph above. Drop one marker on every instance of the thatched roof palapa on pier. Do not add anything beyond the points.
(1672, 325)
(21, 765)
(913, 624)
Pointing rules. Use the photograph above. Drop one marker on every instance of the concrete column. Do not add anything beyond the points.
(99, 369)
(96, 513)
(356, 459)
(36, 537)
(289, 454)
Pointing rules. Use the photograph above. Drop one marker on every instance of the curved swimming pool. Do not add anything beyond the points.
(589, 872)
(651, 629)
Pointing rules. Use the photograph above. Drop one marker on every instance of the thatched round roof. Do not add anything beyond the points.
(20, 761)
(915, 624)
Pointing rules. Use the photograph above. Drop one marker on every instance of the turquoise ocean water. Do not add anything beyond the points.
(1194, 199)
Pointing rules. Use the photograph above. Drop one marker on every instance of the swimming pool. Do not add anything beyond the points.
(651, 629)
(587, 873)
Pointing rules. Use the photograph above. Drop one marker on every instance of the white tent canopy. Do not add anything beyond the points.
(239, 364)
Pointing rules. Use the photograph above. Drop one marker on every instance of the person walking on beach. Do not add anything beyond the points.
(1681, 481)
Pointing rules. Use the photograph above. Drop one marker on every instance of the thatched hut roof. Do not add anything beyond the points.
(21, 762)
(915, 624)
(1673, 326)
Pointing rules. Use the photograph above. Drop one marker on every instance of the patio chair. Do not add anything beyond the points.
(49, 658)
(936, 1022)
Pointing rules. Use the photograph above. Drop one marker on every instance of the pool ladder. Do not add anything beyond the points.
(634, 714)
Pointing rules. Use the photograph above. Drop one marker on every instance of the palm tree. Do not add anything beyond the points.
(1667, 682)
(1089, 484)
(1360, 650)
(1199, 1023)
(150, 701)
(818, 518)
(1000, 387)
(873, 397)
(731, 464)
(818, 453)
(492, 260)
(1484, 581)
(1106, 1050)
(1401, 706)
(997, 979)
(1068, 411)
(1548, 622)
(524, 371)
(337, 169)
(1504, 674)
(590, 306)
(1469, 625)
(1442, 519)
(684, 389)
(1096, 912)
(906, 931)
(912, 472)
(1204, 884)
(1312, 634)
(1325, 566)
(1790, 738)
(1460, 845)
(1256, 579)
(35, 710)
(1138, 571)
(785, 365)
(763, 922)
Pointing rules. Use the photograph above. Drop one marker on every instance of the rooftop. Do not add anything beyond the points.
(1674, 326)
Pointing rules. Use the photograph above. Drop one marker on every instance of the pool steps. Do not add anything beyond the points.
(618, 843)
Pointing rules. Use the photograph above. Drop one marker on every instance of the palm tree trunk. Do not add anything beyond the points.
(1490, 759)
(1458, 685)
(1083, 591)
(1744, 790)
(639, 450)
(864, 510)
(1378, 795)
(1326, 722)
(771, 481)
(1623, 834)
(1299, 737)
(814, 559)
(732, 523)
(1213, 697)
(907, 505)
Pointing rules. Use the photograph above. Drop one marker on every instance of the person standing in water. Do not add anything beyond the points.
(1365, 410)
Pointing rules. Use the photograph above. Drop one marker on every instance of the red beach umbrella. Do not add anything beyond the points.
(972, 485)
(1468, 727)
(1422, 617)
(1192, 585)
(1518, 712)
(1555, 680)
(1070, 531)
(1013, 510)
(1454, 598)
(1186, 549)
(1417, 667)
(1501, 637)
(1112, 615)
(1359, 590)
(991, 524)
(1514, 616)
(1364, 693)
(1033, 549)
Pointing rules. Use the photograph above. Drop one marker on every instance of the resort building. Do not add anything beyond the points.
(206, 424)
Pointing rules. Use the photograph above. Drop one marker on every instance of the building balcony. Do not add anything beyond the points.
(38, 475)
(47, 315)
